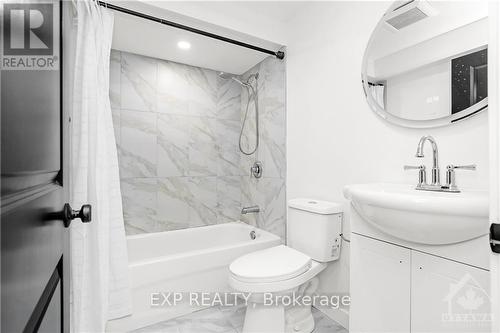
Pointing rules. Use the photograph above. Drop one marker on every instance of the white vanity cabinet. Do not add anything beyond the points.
(397, 289)
(380, 286)
(447, 296)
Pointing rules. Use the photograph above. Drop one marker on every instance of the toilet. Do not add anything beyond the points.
(273, 276)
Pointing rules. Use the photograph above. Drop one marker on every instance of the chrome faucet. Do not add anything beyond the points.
(251, 209)
(435, 185)
(435, 180)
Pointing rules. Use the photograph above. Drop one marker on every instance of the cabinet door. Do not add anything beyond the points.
(380, 286)
(447, 296)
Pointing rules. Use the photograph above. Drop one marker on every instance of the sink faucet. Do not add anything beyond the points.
(450, 185)
(251, 209)
(435, 180)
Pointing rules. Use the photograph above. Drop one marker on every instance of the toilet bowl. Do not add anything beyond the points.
(274, 278)
(277, 279)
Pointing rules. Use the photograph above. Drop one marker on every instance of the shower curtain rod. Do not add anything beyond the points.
(277, 54)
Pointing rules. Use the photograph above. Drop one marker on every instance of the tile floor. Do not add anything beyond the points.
(226, 320)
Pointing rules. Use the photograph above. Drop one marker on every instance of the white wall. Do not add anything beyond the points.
(333, 137)
(424, 93)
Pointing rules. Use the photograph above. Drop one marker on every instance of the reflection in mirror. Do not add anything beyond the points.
(426, 63)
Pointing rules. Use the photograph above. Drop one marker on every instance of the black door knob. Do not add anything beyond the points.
(69, 214)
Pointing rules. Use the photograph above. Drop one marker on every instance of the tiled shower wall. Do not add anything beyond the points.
(177, 129)
(269, 191)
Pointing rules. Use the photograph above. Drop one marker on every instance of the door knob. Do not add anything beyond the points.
(69, 214)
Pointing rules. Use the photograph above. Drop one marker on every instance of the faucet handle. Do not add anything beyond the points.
(464, 167)
(422, 176)
(414, 167)
(450, 175)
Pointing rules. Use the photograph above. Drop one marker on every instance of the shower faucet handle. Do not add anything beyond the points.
(256, 170)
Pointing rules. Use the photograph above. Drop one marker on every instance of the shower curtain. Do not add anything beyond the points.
(377, 91)
(99, 264)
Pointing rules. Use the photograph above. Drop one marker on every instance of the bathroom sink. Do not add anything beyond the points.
(425, 217)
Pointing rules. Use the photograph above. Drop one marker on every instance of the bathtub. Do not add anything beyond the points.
(188, 260)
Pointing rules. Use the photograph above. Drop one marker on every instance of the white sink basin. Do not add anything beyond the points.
(424, 217)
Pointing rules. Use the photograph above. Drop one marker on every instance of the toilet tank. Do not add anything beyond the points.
(314, 228)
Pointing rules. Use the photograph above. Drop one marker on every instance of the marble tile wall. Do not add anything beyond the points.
(177, 130)
(269, 191)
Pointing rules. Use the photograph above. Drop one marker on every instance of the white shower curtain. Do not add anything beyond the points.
(377, 92)
(99, 274)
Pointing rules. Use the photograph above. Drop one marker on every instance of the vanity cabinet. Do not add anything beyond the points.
(380, 286)
(447, 296)
(397, 289)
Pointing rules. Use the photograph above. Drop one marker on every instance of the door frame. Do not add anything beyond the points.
(67, 51)
(494, 150)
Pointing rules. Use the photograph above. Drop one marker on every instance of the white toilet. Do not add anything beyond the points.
(313, 238)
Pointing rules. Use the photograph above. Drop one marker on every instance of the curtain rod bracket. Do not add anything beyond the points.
(280, 55)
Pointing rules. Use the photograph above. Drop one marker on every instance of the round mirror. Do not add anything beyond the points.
(425, 64)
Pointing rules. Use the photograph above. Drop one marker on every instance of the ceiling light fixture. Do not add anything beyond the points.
(183, 45)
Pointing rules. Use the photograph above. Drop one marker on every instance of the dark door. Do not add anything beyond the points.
(34, 282)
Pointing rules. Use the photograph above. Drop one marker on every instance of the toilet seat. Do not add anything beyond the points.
(270, 265)
(274, 269)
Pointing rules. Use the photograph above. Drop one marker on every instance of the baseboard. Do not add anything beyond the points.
(341, 316)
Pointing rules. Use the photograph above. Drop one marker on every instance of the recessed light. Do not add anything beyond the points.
(183, 45)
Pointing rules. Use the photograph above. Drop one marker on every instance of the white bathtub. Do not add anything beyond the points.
(188, 260)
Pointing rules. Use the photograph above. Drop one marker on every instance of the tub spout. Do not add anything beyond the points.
(251, 209)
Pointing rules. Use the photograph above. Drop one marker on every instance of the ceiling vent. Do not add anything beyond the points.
(408, 13)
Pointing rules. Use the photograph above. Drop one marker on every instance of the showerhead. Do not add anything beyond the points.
(227, 76)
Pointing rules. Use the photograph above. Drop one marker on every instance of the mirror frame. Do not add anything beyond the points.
(438, 122)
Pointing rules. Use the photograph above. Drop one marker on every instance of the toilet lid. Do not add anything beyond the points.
(274, 264)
